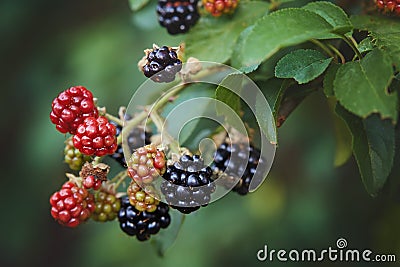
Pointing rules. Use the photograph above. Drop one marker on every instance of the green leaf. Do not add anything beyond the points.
(384, 31)
(280, 29)
(166, 237)
(373, 148)
(329, 79)
(273, 90)
(228, 92)
(213, 39)
(265, 119)
(304, 65)
(361, 87)
(343, 137)
(138, 4)
(366, 45)
(334, 15)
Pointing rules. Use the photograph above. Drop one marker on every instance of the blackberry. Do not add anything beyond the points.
(71, 205)
(177, 16)
(219, 7)
(107, 207)
(73, 157)
(136, 138)
(142, 224)
(96, 136)
(389, 6)
(145, 164)
(162, 64)
(188, 184)
(142, 199)
(243, 165)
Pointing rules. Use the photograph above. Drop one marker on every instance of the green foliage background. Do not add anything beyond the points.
(48, 46)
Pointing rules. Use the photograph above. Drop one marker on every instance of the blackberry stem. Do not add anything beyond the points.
(323, 47)
(165, 98)
(353, 45)
(337, 52)
(113, 118)
(119, 178)
(159, 122)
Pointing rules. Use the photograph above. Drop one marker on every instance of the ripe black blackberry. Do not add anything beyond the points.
(142, 224)
(177, 16)
(245, 164)
(137, 138)
(162, 64)
(188, 184)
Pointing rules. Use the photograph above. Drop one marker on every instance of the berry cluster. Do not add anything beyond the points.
(219, 7)
(142, 199)
(142, 224)
(107, 207)
(162, 64)
(71, 205)
(96, 136)
(188, 184)
(247, 158)
(146, 163)
(136, 138)
(71, 107)
(177, 16)
(391, 6)
(73, 157)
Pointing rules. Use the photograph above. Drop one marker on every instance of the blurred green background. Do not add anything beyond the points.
(48, 46)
